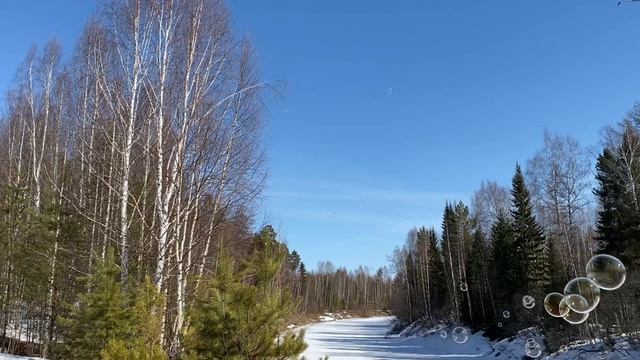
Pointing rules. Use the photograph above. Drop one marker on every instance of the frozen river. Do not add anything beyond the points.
(367, 338)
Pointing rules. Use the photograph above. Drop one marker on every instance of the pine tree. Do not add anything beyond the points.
(531, 248)
(293, 261)
(101, 316)
(146, 343)
(243, 314)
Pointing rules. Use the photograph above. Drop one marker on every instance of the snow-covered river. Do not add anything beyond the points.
(353, 339)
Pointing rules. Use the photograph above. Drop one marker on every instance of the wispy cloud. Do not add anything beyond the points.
(332, 191)
(393, 208)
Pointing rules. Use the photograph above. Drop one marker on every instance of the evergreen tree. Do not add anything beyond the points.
(618, 224)
(450, 258)
(101, 316)
(146, 344)
(302, 272)
(505, 266)
(242, 316)
(609, 192)
(531, 248)
(293, 261)
(476, 266)
(438, 280)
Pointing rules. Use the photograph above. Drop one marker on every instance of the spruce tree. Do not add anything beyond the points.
(609, 192)
(438, 280)
(476, 266)
(450, 251)
(505, 268)
(618, 224)
(531, 248)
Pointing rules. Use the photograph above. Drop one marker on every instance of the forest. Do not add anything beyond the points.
(487, 261)
(132, 168)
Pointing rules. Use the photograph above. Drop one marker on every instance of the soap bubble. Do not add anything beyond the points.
(528, 301)
(443, 334)
(463, 286)
(499, 324)
(459, 335)
(606, 271)
(389, 90)
(599, 245)
(576, 301)
(506, 314)
(534, 352)
(532, 348)
(582, 295)
(575, 317)
(555, 305)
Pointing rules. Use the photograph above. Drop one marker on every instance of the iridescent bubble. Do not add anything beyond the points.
(443, 334)
(606, 271)
(576, 301)
(528, 301)
(599, 245)
(464, 286)
(582, 295)
(555, 305)
(506, 314)
(534, 352)
(575, 317)
(459, 335)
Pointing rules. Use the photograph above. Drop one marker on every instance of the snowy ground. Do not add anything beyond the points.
(353, 339)
(12, 357)
(364, 339)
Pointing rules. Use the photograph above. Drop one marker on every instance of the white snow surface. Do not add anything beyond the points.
(367, 338)
(364, 339)
(13, 357)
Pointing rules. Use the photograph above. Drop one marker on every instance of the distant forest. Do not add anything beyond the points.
(531, 238)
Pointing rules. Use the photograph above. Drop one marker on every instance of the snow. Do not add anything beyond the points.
(330, 317)
(364, 339)
(367, 339)
(13, 357)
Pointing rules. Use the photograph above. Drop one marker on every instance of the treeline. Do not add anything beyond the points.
(131, 169)
(333, 289)
(530, 240)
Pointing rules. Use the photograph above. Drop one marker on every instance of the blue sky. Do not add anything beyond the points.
(394, 107)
